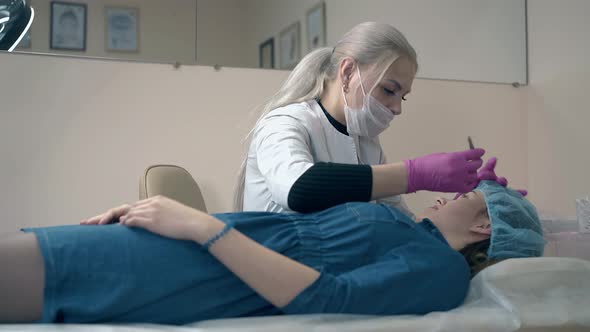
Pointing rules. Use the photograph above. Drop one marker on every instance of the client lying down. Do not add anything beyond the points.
(164, 262)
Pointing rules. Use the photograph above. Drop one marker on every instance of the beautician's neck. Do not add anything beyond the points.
(332, 101)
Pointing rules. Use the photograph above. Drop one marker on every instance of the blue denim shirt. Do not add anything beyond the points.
(413, 271)
(372, 259)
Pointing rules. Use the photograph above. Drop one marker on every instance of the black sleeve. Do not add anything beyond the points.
(328, 184)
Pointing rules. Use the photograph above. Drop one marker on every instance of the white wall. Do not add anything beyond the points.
(167, 30)
(221, 33)
(75, 139)
(558, 142)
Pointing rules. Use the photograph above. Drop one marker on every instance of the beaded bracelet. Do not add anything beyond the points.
(218, 236)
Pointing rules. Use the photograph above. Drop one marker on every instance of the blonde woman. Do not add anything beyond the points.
(316, 144)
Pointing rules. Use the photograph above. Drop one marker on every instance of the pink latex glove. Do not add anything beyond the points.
(445, 172)
(488, 173)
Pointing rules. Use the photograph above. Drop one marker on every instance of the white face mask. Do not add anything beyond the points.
(371, 120)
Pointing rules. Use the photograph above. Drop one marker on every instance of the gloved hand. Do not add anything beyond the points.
(445, 172)
(487, 172)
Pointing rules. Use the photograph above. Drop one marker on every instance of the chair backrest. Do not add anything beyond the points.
(173, 182)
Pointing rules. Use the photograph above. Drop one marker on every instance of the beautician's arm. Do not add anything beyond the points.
(389, 180)
(298, 182)
(325, 185)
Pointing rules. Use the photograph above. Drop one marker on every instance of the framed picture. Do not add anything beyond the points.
(267, 54)
(122, 29)
(68, 26)
(290, 46)
(316, 27)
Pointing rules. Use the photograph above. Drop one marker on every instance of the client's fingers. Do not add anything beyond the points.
(135, 221)
(107, 218)
(92, 221)
(113, 214)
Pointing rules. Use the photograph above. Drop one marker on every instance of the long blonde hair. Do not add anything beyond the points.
(372, 43)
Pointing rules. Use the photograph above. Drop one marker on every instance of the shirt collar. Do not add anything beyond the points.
(427, 225)
(337, 125)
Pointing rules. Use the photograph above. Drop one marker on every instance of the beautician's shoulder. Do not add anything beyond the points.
(297, 116)
(300, 111)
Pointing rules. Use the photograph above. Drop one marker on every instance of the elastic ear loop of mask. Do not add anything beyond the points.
(358, 70)
(362, 87)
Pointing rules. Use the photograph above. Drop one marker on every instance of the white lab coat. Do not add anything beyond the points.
(291, 139)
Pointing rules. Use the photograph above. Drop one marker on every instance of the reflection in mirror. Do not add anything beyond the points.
(475, 40)
(244, 33)
(143, 30)
(207, 32)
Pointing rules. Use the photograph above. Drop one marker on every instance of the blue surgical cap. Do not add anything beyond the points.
(516, 229)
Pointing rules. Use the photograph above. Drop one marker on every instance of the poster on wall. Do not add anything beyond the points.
(290, 48)
(122, 29)
(68, 26)
(316, 27)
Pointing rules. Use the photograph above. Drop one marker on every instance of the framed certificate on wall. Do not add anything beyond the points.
(68, 26)
(122, 29)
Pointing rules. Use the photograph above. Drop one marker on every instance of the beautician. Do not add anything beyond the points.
(316, 144)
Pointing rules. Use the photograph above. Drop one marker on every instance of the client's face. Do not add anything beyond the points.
(465, 217)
